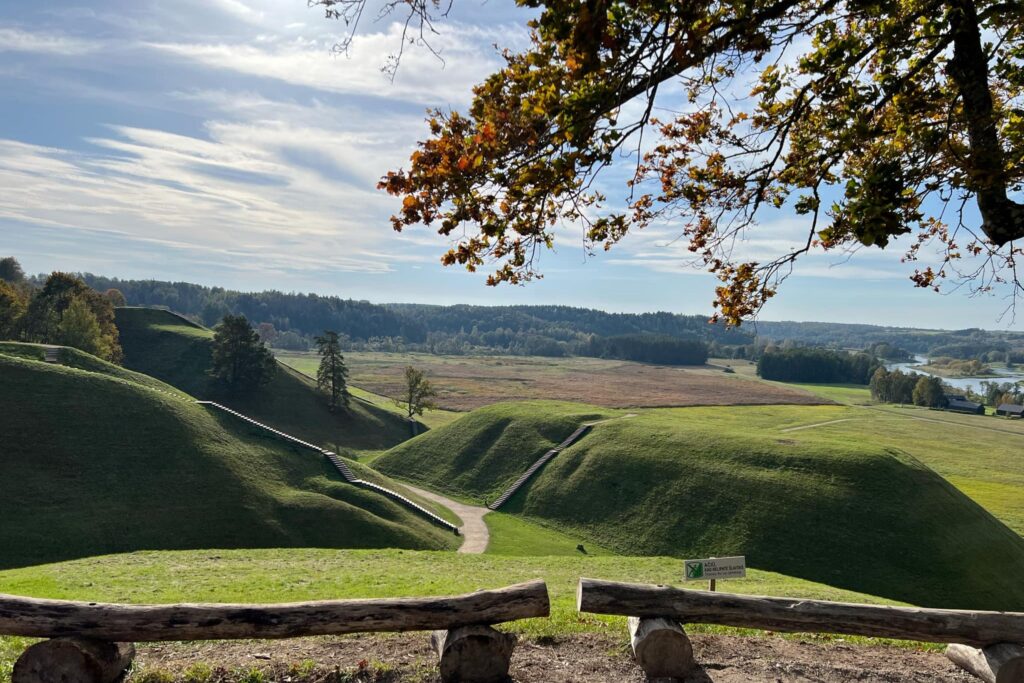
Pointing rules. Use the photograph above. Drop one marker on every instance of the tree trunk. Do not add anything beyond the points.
(1002, 218)
(52, 618)
(660, 647)
(73, 660)
(473, 654)
(790, 614)
(1002, 663)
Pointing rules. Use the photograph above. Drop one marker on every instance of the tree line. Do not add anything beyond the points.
(292, 321)
(60, 309)
(805, 364)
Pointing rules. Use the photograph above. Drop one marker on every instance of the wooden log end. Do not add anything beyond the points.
(473, 654)
(1000, 663)
(660, 647)
(73, 660)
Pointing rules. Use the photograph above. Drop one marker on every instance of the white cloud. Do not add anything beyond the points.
(16, 40)
(422, 77)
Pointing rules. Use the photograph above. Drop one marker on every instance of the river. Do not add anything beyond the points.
(972, 383)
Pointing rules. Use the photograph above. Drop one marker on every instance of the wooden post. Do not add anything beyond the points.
(789, 614)
(126, 623)
(660, 647)
(73, 660)
(1002, 663)
(711, 585)
(473, 654)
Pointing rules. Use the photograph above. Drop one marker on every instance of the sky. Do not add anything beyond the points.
(224, 142)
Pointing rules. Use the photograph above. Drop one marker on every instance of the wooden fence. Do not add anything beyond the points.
(986, 643)
(92, 642)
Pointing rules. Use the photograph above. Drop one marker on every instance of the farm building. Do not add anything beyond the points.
(961, 405)
(1010, 410)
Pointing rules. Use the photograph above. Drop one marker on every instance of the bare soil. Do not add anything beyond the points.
(466, 383)
(589, 658)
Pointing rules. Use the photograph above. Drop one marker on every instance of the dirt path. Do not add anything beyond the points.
(817, 424)
(474, 530)
(579, 658)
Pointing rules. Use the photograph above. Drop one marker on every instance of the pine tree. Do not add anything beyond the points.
(332, 375)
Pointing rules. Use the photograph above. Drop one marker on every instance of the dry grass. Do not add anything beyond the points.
(469, 382)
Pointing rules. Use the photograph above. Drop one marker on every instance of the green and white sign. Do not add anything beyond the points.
(715, 568)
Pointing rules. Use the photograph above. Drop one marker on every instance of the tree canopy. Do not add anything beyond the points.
(870, 119)
(240, 360)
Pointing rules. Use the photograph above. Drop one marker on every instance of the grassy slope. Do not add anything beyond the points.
(479, 455)
(97, 463)
(979, 455)
(827, 506)
(170, 348)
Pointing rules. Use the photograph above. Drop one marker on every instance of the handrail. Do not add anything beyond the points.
(41, 618)
(340, 465)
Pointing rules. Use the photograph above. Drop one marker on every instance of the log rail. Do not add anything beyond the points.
(988, 644)
(91, 642)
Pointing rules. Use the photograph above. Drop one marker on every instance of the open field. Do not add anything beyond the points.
(469, 382)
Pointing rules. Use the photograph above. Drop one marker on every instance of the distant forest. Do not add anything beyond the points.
(290, 321)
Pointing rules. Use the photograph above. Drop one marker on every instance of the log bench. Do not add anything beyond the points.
(988, 644)
(90, 642)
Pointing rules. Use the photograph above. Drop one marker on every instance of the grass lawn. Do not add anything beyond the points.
(511, 535)
(250, 576)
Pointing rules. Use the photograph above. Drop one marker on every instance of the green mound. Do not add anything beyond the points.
(95, 462)
(700, 482)
(169, 347)
(486, 450)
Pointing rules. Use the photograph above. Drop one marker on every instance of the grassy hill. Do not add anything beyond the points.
(483, 452)
(168, 347)
(716, 481)
(97, 459)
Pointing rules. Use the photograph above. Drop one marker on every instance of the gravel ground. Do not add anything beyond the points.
(589, 658)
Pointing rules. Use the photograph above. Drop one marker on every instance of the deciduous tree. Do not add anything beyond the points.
(79, 328)
(418, 393)
(871, 120)
(240, 360)
(10, 270)
(13, 304)
(332, 375)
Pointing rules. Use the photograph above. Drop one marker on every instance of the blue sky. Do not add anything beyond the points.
(221, 142)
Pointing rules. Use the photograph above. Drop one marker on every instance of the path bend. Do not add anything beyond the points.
(475, 535)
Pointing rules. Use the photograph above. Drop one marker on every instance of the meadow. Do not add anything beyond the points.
(469, 382)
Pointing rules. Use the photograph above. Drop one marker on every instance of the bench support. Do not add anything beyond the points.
(660, 647)
(473, 654)
(73, 660)
(1002, 663)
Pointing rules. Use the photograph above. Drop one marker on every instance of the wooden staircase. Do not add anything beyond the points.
(51, 354)
(343, 468)
(540, 462)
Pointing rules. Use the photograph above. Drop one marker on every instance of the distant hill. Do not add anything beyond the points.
(527, 330)
(98, 459)
(170, 348)
(694, 482)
